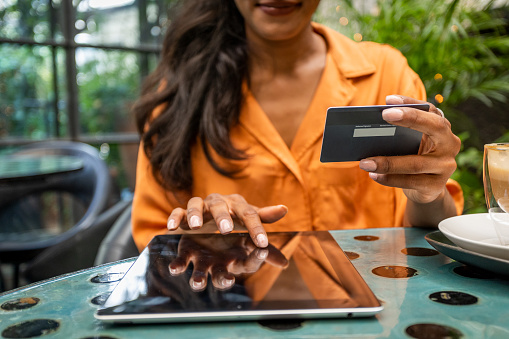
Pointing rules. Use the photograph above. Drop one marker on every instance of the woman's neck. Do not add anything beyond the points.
(284, 57)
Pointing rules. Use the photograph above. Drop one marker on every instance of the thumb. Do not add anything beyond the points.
(272, 214)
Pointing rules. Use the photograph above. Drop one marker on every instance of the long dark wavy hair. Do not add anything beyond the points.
(198, 85)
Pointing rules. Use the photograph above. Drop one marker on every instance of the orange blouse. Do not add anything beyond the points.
(319, 196)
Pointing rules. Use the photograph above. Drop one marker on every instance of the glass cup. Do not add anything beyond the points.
(496, 187)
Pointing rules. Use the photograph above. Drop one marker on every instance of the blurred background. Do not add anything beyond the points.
(72, 69)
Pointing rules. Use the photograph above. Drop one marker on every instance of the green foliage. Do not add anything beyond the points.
(467, 47)
(25, 92)
(460, 53)
(469, 175)
(108, 85)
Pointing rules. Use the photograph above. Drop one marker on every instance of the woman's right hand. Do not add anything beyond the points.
(223, 210)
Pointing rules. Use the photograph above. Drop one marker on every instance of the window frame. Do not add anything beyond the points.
(69, 46)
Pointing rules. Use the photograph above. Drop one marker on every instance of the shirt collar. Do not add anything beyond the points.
(347, 55)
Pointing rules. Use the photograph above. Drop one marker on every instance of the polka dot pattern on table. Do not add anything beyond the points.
(453, 298)
(100, 299)
(281, 324)
(395, 272)
(107, 278)
(366, 238)
(352, 255)
(20, 304)
(31, 329)
(432, 331)
(419, 251)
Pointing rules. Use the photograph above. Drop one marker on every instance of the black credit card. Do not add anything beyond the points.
(353, 133)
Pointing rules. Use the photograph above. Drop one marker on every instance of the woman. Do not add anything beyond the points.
(232, 119)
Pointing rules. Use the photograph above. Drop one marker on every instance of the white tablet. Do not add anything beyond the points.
(213, 277)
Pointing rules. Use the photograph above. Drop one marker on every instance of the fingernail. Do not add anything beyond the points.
(373, 176)
(173, 270)
(171, 224)
(262, 241)
(392, 114)
(368, 165)
(195, 221)
(262, 254)
(394, 99)
(226, 282)
(283, 208)
(197, 284)
(225, 226)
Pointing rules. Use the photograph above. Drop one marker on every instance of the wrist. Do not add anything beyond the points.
(425, 199)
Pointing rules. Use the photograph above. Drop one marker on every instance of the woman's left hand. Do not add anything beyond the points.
(422, 176)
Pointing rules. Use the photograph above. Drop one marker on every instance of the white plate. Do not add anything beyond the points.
(474, 232)
(442, 244)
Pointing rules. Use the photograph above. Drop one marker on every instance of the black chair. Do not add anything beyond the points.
(118, 243)
(77, 252)
(22, 235)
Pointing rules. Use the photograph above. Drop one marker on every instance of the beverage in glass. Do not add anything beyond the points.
(496, 187)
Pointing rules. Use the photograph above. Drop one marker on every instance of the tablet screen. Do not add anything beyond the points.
(213, 277)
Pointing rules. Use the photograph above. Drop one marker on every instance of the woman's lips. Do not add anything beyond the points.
(278, 8)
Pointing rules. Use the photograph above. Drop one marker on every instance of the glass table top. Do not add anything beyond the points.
(24, 166)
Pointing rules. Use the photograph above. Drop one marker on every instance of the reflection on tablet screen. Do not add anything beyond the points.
(216, 277)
